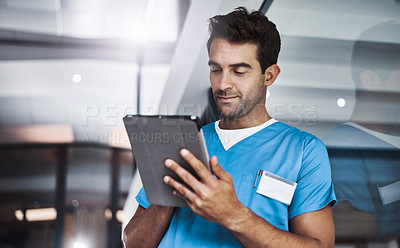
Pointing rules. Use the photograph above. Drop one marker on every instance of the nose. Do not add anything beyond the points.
(225, 81)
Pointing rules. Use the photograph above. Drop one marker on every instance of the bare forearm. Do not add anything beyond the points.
(253, 231)
(148, 229)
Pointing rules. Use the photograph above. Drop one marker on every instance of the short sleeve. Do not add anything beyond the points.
(314, 188)
(141, 198)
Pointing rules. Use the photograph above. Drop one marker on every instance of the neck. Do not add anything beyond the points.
(252, 119)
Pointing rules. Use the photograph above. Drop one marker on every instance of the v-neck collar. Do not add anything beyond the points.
(230, 138)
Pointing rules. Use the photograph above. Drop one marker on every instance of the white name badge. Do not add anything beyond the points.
(389, 192)
(276, 187)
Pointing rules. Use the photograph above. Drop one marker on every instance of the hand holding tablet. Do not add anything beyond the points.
(157, 138)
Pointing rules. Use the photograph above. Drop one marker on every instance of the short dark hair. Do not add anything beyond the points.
(241, 26)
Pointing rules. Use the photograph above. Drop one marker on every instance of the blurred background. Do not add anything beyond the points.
(71, 69)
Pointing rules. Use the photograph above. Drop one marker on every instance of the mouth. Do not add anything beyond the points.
(226, 99)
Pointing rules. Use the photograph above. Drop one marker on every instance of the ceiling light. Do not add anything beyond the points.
(341, 102)
(40, 214)
(76, 78)
(78, 245)
(19, 215)
(120, 214)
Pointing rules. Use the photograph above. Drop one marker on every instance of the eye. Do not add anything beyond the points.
(240, 72)
(215, 70)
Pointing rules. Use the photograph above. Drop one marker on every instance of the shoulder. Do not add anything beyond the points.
(288, 130)
(297, 136)
(209, 130)
(209, 127)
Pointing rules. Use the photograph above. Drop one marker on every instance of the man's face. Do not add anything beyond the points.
(236, 78)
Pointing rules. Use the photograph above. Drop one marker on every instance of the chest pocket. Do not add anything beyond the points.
(269, 209)
(246, 188)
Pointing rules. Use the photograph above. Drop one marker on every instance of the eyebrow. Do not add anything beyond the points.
(241, 64)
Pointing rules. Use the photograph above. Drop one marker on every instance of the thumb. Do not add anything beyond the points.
(217, 170)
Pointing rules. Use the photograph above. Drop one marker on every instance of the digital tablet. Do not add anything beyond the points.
(156, 138)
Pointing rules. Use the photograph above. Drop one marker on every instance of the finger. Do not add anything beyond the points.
(191, 205)
(186, 176)
(197, 165)
(218, 170)
(180, 189)
(176, 193)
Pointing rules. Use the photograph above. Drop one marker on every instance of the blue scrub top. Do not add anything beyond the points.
(279, 149)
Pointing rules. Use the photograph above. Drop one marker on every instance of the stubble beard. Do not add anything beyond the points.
(244, 106)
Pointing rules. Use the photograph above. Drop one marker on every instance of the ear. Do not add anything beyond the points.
(270, 74)
(369, 80)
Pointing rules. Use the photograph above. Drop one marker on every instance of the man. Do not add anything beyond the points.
(365, 163)
(225, 209)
